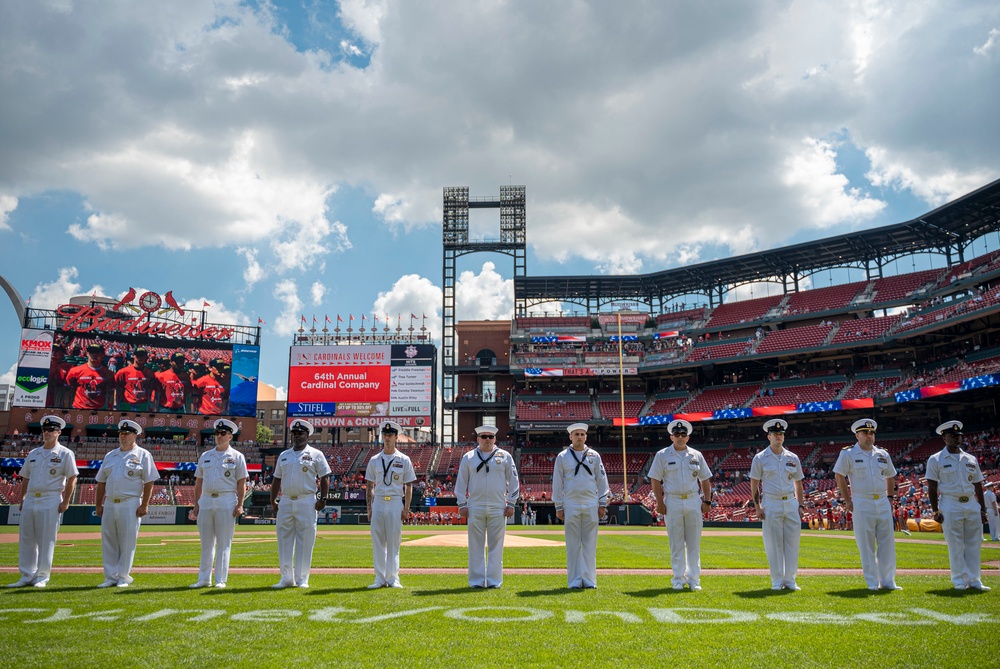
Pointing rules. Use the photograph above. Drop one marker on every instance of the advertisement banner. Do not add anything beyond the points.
(366, 421)
(31, 383)
(160, 515)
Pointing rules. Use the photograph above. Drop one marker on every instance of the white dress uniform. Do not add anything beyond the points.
(46, 471)
(681, 473)
(992, 516)
(219, 471)
(124, 473)
(955, 474)
(296, 522)
(579, 488)
(487, 484)
(389, 473)
(867, 472)
(782, 525)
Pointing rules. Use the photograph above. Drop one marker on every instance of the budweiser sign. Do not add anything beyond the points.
(95, 319)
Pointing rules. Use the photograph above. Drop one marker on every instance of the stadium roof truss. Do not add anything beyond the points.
(948, 230)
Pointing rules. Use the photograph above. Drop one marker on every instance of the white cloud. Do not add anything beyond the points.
(216, 312)
(289, 319)
(935, 186)
(9, 376)
(484, 296)
(280, 393)
(317, 291)
(364, 18)
(8, 203)
(991, 44)
(412, 294)
(51, 295)
(253, 272)
(812, 173)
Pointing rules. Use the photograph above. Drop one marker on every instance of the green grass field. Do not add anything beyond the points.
(533, 621)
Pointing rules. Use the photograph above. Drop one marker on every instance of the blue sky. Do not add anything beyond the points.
(284, 158)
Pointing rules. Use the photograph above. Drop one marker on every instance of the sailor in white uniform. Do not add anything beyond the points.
(776, 490)
(389, 479)
(487, 489)
(295, 478)
(872, 478)
(678, 474)
(124, 486)
(48, 478)
(220, 484)
(580, 494)
(992, 512)
(955, 491)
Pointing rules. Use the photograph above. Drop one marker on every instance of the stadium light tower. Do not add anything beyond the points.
(511, 242)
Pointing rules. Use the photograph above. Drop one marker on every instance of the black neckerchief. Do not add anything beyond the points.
(484, 462)
(579, 463)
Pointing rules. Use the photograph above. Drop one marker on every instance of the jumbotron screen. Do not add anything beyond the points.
(361, 386)
(61, 369)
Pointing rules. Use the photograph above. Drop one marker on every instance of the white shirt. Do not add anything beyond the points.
(390, 473)
(220, 470)
(573, 484)
(990, 498)
(680, 472)
(866, 470)
(777, 472)
(487, 480)
(955, 473)
(48, 468)
(124, 473)
(298, 470)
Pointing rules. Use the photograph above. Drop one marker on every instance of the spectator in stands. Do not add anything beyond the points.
(872, 478)
(580, 494)
(955, 489)
(48, 479)
(676, 474)
(220, 485)
(296, 473)
(125, 479)
(776, 489)
(486, 497)
(389, 481)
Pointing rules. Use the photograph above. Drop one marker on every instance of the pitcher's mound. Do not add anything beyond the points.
(462, 539)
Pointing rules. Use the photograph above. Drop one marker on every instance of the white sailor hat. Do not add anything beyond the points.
(53, 421)
(950, 427)
(864, 424)
(390, 426)
(776, 425)
(226, 424)
(299, 425)
(487, 429)
(577, 426)
(129, 426)
(679, 426)
(990, 484)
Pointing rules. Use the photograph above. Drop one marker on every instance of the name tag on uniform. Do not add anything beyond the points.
(398, 465)
(946, 467)
(860, 461)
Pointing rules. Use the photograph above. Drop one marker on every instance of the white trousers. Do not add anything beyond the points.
(684, 523)
(119, 534)
(486, 531)
(782, 530)
(387, 533)
(581, 545)
(40, 519)
(873, 533)
(216, 525)
(296, 529)
(994, 521)
(963, 530)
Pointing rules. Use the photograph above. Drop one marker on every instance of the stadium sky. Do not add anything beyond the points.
(280, 159)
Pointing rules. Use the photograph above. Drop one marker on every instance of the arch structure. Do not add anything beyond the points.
(20, 306)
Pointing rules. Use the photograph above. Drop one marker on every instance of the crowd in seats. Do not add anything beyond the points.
(10, 492)
(451, 456)
(665, 407)
(677, 319)
(815, 392)
(955, 372)
(971, 266)
(537, 463)
(809, 336)
(535, 491)
(743, 311)
(881, 386)
(725, 397)
(731, 349)
(823, 299)
(184, 495)
(420, 456)
(893, 288)
(981, 300)
(559, 410)
(613, 463)
(613, 408)
(555, 387)
(865, 329)
(341, 458)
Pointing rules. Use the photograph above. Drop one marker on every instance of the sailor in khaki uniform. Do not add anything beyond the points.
(955, 491)
(295, 476)
(580, 494)
(124, 486)
(389, 479)
(678, 474)
(486, 489)
(48, 478)
(220, 484)
(872, 487)
(776, 490)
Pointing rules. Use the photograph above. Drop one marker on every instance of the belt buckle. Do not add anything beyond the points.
(963, 499)
(785, 498)
(684, 496)
(37, 494)
(293, 497)
(387, 498)
(876, 497)
(214, 494)
(116, 501)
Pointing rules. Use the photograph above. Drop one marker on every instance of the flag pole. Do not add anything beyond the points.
(621, 398)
